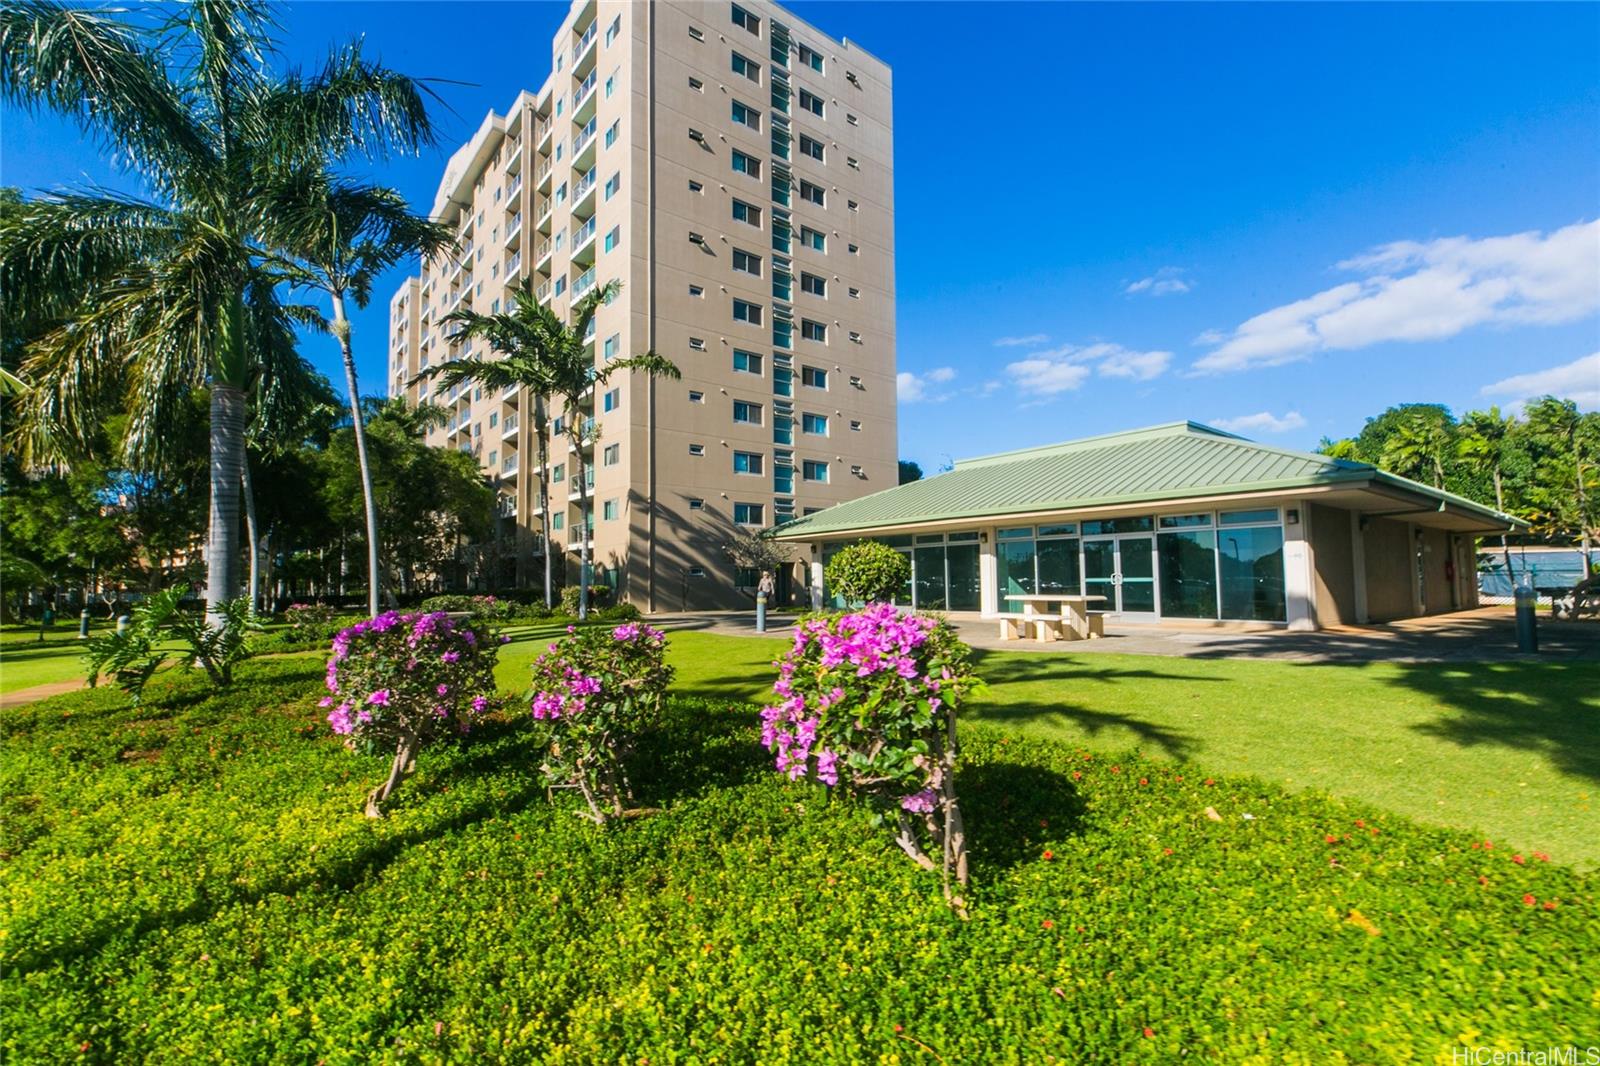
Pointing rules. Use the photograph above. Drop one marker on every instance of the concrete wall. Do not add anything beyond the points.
(1390, 570)
(1335, 565)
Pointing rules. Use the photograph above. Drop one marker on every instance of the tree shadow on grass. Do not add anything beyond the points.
(1073, 676)
(1008, 807)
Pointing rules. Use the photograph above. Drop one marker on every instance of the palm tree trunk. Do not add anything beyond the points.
(250, 530)
(222, 534)
(542, 435)
(1500, 505)
(341, 329)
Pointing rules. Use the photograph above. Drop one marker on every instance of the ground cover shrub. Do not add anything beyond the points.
(867, 701)
(131, 656)
(867, 572)
(398, 682)
(481, 608)
(185, 885)
(620, 612)
(598, 689)
(309, 622)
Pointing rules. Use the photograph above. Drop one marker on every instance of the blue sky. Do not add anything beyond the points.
(1281, 217)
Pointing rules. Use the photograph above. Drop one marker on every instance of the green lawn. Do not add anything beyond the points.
(191, 881)
(25, 661)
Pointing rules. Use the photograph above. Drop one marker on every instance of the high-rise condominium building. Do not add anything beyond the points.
(732, 168)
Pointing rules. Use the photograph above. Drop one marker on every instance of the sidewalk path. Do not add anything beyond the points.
(9, 700)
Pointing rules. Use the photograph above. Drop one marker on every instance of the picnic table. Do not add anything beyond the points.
(1073, 621)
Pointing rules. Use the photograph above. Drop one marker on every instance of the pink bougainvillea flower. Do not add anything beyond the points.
(379, 698)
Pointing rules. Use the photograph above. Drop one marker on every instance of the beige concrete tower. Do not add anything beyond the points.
(732, 167)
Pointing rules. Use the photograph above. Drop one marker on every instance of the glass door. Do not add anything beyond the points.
(1122, 569)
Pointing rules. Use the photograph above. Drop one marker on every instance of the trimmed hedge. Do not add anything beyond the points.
(191, 881)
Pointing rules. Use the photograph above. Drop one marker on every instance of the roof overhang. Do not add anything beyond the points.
(455, 188)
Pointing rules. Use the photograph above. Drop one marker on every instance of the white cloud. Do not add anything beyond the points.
(1578, 381)
(1058, 370)
(1432, 290)
(1021, 342)
(1164, 282)
(913, 388)
(1261, 422)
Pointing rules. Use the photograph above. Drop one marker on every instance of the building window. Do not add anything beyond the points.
(558, 473)
(814, 193)
(855, 293)
(749, 463)
(813, 470)
(695, 186)
(852, 205)
(746, 362)
(816, 425)
(611, 132)
(560, 286)
(613, 185)
(613, 29)
(746, 115)
(494, 419)
(747, 413)
(697, 290)
(810, 58)
(748, 213)
(612, 345)
(612, 455)
(744, 20)
(697, 449)
(749, 514)
(609, 510)
(852, 162)
(855, 426)
(695, 34)
(696, 503)
(852, 119)
(813, 377)
(853, 249)
(612, 401)
(746, 263)
(613, 238)
(697, 85)
(745, 311)
(557, 521)
(813, 331)
(748, 68)
(811, 102)
(812, 147)
(697, 343)
(813, 238)
(746, 164)
(611, 85)
(815, 284)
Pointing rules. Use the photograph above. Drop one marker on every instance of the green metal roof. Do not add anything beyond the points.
(1173, 461)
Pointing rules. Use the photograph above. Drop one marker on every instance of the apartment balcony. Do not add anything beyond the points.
(583, 51)
(541, 257)
(583, 97)
(546, 218)
(513, 268)
(513, 187)
(513, 228)
(583, 194)
(586, 434)
(509, 393)
(546, 129)
(582, 284)
(514, 162)
(508, 465)
(542, 182)
(583, 240)
(508, 426)
(542, 293)
(506, 506)
(583, 144)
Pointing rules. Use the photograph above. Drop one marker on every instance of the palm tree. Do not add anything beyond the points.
(553, 360)
(1481, 444)
(165, 292)
(1419, 444)
(344, 235)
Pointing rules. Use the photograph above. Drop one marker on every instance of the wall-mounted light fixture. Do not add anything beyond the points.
(1292, 516)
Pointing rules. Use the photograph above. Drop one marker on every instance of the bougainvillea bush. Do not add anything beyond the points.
(308, 622)
(867, 701)
(599, 689)
(402, 681)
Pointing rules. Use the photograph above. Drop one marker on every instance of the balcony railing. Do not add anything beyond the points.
(514, 227)
(585, 137)
(585, 89)
(513, 266)
(508, 465)
(508, 426)
(542, 253)
(583, 283)
(585, 184)
(582, 235)
(542, 291)
(514, 187)
(585, 41)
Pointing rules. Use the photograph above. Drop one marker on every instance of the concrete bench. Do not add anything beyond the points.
(1010, 627)
(1097, 624)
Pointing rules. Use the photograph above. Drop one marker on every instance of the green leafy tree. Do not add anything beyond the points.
(1568, 446)
(867, 572)
(1482, 441)
(161, 293)
(557, 360)
(1419, 443)
(910, 471)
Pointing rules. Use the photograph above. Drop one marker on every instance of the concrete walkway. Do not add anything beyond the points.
(9, 700)
(1485, 635)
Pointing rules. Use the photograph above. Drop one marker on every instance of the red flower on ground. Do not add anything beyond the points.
(1483, 880)
(1149, 1033)
(1374, 831)
(1541, 856)
(1519, 860)
(1077, 774)
(1330, 838)
(1048, 924)
(1361, 823)
(1116, 769)
(1047, 856)
(1529, 900)
(899, 1028)
(1488, 845)
(1044, 823)
(1144, 780)
(1210, 781)
(1550, 904)
(1177, 777)
(1476, 845)
(1166, 851)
